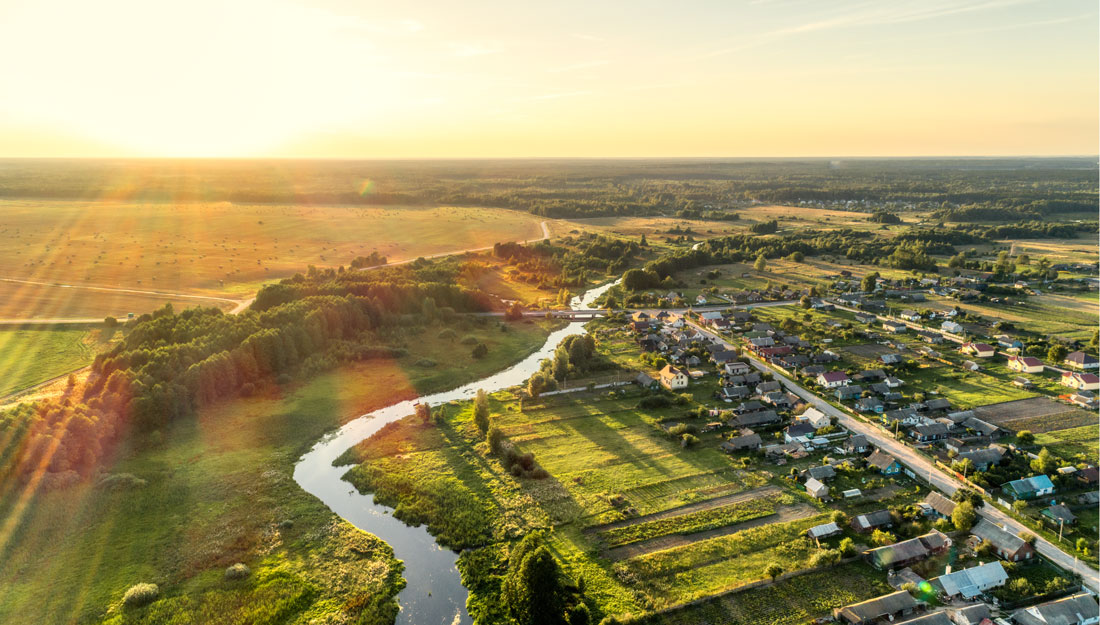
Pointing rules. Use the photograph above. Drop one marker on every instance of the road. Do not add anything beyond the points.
(921, 466)
(239, 306)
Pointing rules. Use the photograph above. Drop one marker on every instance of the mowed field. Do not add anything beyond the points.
(32, 354)
(43, 301)
(221, 248)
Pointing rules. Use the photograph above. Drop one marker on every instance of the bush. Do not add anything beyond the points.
(496, 440)
(120, 481)
(238, 571)
(140, 594)
(480, 351)
(469, 340)
(425, 362)
(448, 333)
(655, 401)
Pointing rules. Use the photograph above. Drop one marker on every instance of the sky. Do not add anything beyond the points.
(438, 78)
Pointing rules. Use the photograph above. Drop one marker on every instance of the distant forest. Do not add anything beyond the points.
(957, 190)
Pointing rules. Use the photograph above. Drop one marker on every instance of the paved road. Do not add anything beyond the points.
(922, 466)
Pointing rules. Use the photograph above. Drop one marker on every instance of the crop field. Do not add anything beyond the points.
(1072, 442)
(224, 248)
(790, 601)
(42, 301)
(32, 354)
(1044, 314)
(1039, 414)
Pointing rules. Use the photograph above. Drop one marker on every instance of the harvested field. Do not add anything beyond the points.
(869, 350)
(1038, 414)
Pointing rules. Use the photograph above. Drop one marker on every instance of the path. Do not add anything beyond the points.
(924, 467)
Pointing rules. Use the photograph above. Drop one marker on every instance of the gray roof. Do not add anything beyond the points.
(881, 460)
(823, 472)
(1003, 540)
(940, 504)
(878, 607)
(973, 581)
(932, 618)
(824, 530)
(1068, 611)
(757, 418)
(989, 455)
(878, 518)
(972, 614)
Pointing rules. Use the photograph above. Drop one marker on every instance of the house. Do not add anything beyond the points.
(1025, 364)
(1082, 361)
(645, 381)
(907, 552)
(952, 327)
(894, 327)
(979, 350)
(832, 379)
(893, 382)
(816, 489)
(1029, 487)
(982, 459)
(890, 359)
(755, 419)
(939, 403)
(821, 473)
(742, 443)
(941, 506)
(641, 327)
(889, 607)
(649, 343)
(970, 365)
(1081, 381)
(870, 404)
(872, 521)
(1005, 544)
(865, 317)
(856, 444)
(768, 387)
(1058, 515)
(927, 336)
(640, 316)
(910, 315)
(710, 318)
(1088, 476)
(972, 582)
(824, 530)
(778, 399)
(1079, 609)
(664, 316)
(723, 356)
(884, 462)
(736, 367)
(731, 393)
(870, 375)
(1085, 399)
(981, 427)
(928, 433)
(970, 615)
(674, 378)
(1023, 383)
(814, 417)
(762, 341)
(849, 391)
(797, 431)
(748, 406)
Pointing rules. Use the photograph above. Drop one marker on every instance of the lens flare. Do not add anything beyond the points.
(367, 187)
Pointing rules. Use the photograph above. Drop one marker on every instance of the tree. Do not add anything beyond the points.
(1025, 437)
(773, 571)
(805, 302)
(964, 516)
(514, 312)
(847, 547)
(1045, 463)
(110, 322)
(533, 590)
(797, 256)
(479, 351)
(643, 242)
(880, 538)
(760, 263)
(1057, 353)
(424, 413)
(869, 281)
(481, 411)
(496, 440)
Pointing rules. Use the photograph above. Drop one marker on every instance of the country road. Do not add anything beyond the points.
(921, 466)
(239, 306)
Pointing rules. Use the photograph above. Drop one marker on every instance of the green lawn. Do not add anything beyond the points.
(217, 489)
(1072, 442)
(33, 354)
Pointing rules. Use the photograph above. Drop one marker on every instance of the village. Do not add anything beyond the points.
(863, 406)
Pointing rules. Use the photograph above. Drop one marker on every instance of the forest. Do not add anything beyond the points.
(959, 190)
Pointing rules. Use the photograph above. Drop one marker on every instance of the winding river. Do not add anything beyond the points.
(434, 594)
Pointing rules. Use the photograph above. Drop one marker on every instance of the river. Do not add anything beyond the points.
(434, 594)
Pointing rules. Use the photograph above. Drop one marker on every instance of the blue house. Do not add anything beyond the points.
(884, 462)
(1029, 487)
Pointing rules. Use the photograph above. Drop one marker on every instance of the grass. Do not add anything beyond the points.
(1072, 442)
(787, 602)
(696, 521)
(213, 248)
(218, 490)
(33, 354)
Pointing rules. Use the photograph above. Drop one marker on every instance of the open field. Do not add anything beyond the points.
(217, 489)
(41, 301)
(1039, 414)
(220, 248)
(1072, 442)
(32, 354)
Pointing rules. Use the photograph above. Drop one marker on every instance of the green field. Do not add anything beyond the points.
(216, 489)
(1072, 443)
(33, 354)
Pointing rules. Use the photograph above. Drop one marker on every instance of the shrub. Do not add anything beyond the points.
(469, 340)
(480, 351)
(140, 594)
(448, 333)
(238, 571)
(496, 440)
(120, 481)
(425, 362)
(655, 401)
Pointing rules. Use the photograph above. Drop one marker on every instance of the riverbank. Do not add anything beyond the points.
(217, 489)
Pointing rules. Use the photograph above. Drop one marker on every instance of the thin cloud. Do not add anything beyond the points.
(578, 66)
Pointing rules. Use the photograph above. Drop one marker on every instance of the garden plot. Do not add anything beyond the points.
(1038, 414)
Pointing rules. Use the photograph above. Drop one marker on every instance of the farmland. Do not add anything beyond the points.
(31, 354)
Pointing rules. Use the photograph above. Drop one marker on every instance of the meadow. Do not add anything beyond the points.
(32, 354)
(180, 506)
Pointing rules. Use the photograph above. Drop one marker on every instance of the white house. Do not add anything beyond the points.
(814, 417)
(1025, 364)
(952, 327)
(969, 583)
(674, 378)
(832, 379)
(1081, 381)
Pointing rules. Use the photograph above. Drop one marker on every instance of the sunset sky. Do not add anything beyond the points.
(434, 78)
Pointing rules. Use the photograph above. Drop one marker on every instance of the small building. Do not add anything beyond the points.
(822, 473)
(928, 433)
(978, 350)
(871, 521)
(934, 338)
(891, 607)
(1081, 381)
(982, 459)
(1029, 487)
(832, 379)
(756, 419)
(1025, 364)
(1005, 544)
(645, 381)
(884, 462)
(849, 391)
(1059, 515)
(972, 582)
(1089, 476)
(746, 442)
(856, 444)
(736, 367)
(870, 404)
(797, 431)
(863, 317)
(816, 489)
(941, 506)
(908, 552)
(826, 530)
(814, 417)
(910, 315)
(970, 615)
(1081, 361)
(952, 327)
(674, 378)
(894, 327)
(890, 359)
(1079, 609)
